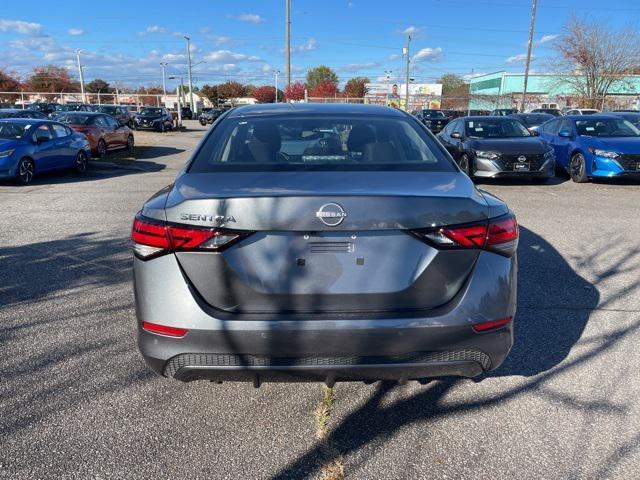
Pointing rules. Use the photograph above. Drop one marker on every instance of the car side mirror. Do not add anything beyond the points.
(457, 135)
(565, 134)
(534, 133)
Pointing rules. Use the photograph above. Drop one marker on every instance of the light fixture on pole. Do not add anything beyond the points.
(84, 99)
(406, 51)
(164, 86)
(276, 73)
(387, 76)
(188, 39)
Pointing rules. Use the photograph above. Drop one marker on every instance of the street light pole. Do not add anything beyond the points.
(84, 99)
(287, 41)
(276, 72)
(188, 39)
(164, 86)
(406, 97)
(529, 47)
(387, 74)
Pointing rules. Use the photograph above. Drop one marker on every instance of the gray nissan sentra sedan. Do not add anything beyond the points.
(327, 243)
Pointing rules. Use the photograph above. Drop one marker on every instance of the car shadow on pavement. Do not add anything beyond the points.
(554, 306)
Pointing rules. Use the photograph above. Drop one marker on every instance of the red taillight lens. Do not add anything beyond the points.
(164, 330)
(498, 234)
(152, 238)
(491, 324)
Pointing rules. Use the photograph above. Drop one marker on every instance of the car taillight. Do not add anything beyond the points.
(152, 238)
(498, 234)
(164, 330)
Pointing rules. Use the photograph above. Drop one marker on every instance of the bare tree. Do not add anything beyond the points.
(593, 58)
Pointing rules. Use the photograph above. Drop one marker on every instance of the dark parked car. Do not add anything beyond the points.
(186, 112)
(20, 113)
(103, 131)
(280, 255)
(29, 147)
(44, 107)
(497, 147)
(532, 120)
(70, 107)
(434, 120)
(118, 112)
(153, 118)
(551, 111)
(210, 115)
(503, 112)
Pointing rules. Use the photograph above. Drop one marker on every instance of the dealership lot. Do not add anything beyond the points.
(78, 401)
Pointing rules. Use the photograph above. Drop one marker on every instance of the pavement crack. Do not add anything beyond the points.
(332, 464)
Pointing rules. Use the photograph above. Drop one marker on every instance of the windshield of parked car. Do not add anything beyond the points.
(534, 120)
(633, 118)
(433, 114)
(110, 109)
(319, 143)
(68, 108)
(12, 130)
(151, 111)
(610, 127)
(74, 118)
(495, 128)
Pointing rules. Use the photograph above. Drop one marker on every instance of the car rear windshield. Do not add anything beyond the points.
(433, 114)
(281, 143)
(107, 109)
(495, 128)
(610, 127)
(74, 118)
(12, 130)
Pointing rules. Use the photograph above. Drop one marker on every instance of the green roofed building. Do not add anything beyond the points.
(504, 90)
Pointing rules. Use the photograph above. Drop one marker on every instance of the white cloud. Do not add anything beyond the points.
(546, 39)
(429, 54)
(227, 56)
(251, 18)
(20, 26)
(394, 56)
(154, 29)
(410, 30)
(266, 68)
(75, 31)
(227, 67)
(307, 46)
(521, 57)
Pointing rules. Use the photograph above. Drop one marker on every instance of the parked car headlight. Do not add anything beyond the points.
(7, 153)
(487, 155)
(604, 153)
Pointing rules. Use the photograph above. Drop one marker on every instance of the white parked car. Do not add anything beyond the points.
(582, 111)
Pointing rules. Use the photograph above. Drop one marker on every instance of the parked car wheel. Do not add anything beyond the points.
(102, 149)
(25, 171)
(162, 129)
(130, 143)
(577, 169)
(81, 162)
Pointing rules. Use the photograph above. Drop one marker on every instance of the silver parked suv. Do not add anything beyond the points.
(323, 242)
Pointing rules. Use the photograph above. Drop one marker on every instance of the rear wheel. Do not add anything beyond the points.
(102, 149)
(130, 143)
(25, 171)
(162, 129)
(81, 162)
(577, 169)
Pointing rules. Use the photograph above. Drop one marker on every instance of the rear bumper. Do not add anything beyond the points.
(435, 343)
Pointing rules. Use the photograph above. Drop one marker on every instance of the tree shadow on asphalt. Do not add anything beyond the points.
(554, 306)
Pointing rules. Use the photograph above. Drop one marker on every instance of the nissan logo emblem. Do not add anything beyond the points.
(522, 158)
(331, 214)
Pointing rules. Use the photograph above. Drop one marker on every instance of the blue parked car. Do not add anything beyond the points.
(594, 146)
(29, 147)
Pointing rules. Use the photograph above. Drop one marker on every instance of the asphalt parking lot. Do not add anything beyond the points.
(77, 401)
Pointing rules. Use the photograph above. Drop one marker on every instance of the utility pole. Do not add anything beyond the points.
(387, 75)
(84, 99)
(164, 86)
(276, 72)
(529, 47)
(188, 39)
(287, 41)
(407, 52)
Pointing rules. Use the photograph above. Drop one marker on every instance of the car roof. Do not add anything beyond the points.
(486, 117)
(315, 108)
(27, 121)
(599, 116)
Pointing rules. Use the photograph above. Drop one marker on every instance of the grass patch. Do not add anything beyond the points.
(333, 467)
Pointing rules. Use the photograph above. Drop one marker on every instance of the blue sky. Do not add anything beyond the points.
(243, 40)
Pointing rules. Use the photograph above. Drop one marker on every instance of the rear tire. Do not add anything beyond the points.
(130, 143)
(81, 162)
(25, 171)
(101, 150)
(578, 169)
